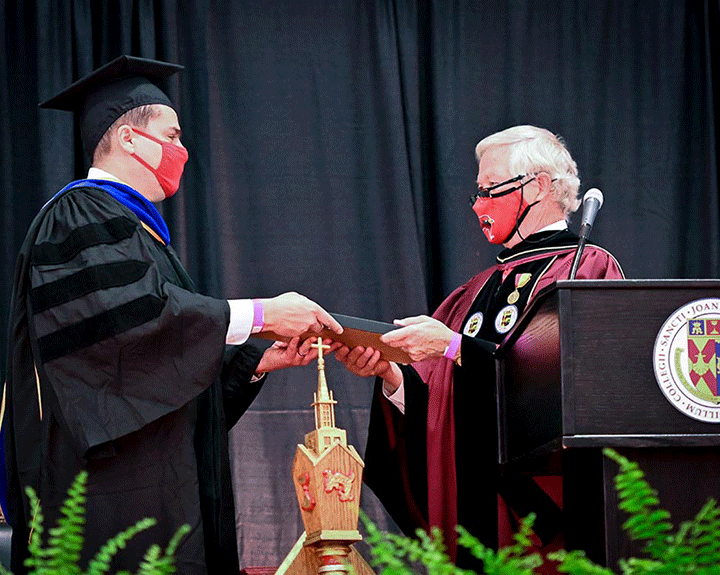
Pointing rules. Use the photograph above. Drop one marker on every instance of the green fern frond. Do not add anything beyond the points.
(62, 554)
(67, 538)
(157, 562)
(433, 553)
(647, 522)
(696, 547)
(175, 541)
(513, 559)
(150, 563)
(100, 564)
(639, 566)
(703, 535)
(693, 550)
(577, 563)
(385, 551)
(38, 556)
(396, 554)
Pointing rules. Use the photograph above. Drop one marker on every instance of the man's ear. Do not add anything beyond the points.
(544, 184)
(124, 137)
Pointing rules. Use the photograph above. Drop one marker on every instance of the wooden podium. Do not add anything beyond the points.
(577, 374)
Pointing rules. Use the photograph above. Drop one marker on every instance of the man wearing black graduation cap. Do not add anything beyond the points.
(116, 365)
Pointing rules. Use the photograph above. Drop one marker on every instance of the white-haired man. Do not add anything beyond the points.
(432, 449)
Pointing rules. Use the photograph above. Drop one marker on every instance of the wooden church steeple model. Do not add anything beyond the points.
(325, 434)
(327, 473)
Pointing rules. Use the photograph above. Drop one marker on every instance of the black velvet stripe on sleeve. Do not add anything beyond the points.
(79, 284)
(94, 329)
(239, 390)
(396, 453)
(111, 231)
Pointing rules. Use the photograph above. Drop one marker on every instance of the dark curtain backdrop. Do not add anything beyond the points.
(331, 152)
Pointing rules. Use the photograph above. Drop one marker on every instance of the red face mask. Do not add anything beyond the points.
(172, 164)
(501, 214)
(498, 216)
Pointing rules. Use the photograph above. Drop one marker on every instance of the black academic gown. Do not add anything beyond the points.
(134, 384)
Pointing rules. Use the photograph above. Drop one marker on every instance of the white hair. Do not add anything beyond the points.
(533, 150)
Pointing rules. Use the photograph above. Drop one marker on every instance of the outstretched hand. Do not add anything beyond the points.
(420, 337)
(293, 353)
(366, 362)
(292, 314)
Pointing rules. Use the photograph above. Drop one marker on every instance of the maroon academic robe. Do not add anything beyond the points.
(436, 464)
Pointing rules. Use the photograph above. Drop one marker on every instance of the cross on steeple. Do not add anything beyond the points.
(320, 346)
(325, 434)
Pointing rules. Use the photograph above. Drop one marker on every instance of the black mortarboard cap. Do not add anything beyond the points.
(104, 95)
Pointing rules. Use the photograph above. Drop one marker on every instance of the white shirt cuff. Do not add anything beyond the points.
(397, 397)
(241, 321)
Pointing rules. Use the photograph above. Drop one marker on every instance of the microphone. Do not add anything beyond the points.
(592, 202)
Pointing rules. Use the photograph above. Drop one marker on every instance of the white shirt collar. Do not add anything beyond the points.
(559, 225)
(98, 174)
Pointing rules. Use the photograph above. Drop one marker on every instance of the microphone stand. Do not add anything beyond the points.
(592, 202)
(578, 254)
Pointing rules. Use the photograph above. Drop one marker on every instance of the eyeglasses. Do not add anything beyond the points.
(484, 192)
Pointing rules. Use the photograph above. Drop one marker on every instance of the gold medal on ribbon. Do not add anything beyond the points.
(520, 281)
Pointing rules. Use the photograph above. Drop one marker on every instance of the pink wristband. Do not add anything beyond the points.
(451, 349)
(258, 316)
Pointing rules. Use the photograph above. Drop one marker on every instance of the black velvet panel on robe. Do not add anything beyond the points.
(396, 459)
(134, 380)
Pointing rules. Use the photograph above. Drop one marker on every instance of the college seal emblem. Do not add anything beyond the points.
(506, 318)
(685, 358)
(473, 325)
